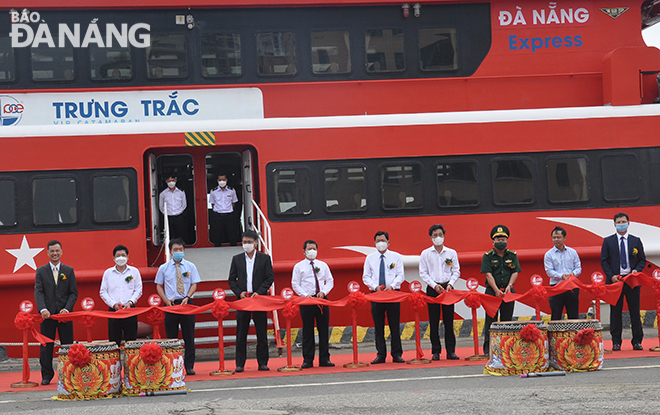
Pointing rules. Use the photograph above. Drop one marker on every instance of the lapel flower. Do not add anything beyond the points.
(317, 269)
(63, 276)
(635, 252)
(186, 274)
(128, 279)
(449, 262)
(392, 265)
(512, 265)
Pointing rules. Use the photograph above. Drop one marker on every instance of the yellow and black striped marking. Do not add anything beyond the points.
(202, 138)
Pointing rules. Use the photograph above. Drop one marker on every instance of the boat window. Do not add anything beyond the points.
(293, 191)
(384, 50)
(345, 188)
(53, 63)
(8, 205)
(512, 182)
(621, 180)
(401, 186)
(276, 53)
(54, 201)
(437, 49)
(167, 57)
(111, 199)
(567, 179)
(331, 52)
(221, 54)
(110, 63)
(457, 184)
(7, 64)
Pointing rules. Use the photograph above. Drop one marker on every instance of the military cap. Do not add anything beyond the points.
(499, 230)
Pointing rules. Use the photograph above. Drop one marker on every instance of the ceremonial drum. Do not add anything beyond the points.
(518, 347)
(91, 374)
(153, 365)
(576, 345)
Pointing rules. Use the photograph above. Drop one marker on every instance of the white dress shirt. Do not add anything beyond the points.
(303, 281)
(249, 270)
(558, 263)
(394, 276)
(223, 199)
(176, 201)
(115, 289)
(435, 268)
(627, 270)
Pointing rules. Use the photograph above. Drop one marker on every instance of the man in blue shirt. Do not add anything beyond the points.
(176, 282)
(562, 263)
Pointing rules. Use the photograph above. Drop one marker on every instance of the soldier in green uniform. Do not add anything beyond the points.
(501, 268)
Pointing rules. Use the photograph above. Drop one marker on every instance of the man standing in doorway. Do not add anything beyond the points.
(55, 292)
(561, 263)
(176, 282)
(621, 255)
(501, 267)
(223, 223)
(439, 268)
(383, 271)
(176, 205)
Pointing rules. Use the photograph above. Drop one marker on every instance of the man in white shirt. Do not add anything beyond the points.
(121, 287)
(312, 278)
(176, 205)
(383, 271)
(561, 263)
(439, 269)
(223, 221)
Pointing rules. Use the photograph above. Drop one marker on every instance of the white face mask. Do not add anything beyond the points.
(248, 248)
(438, 240)
(171, 185)
(121, 260)
(381, 246)
(311, 254)
(222, 183)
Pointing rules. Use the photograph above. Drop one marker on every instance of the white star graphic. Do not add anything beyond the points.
(24, 255)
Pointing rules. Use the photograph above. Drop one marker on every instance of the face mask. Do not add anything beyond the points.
(621, 227)
(438, 240)
(381, 246)
(222, 183)
(121, 260)
(171, 185)
(248, 248)
(177, 256)
(311, 254)
(500, 245)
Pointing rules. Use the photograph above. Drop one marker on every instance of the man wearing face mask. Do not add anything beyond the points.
(383, 271)
(176, 205)
(251, 274)
(312, 278)
(121, 287)
(623, 254)
(501, 267)
(223, 224)
(561, 263)
(176, 282)
(439, 268)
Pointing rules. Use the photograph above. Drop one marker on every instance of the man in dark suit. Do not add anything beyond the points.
(55, 292)
(251, 274)
(621, 255)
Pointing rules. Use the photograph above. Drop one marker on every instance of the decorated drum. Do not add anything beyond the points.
(153, 365)
(518, 347)
(88, 371)
(576, 345)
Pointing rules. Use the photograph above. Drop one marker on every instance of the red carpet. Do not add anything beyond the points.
(203, 369)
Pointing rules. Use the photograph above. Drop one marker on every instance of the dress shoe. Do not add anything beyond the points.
(190, 372)
(239, 369)
(378, 360)
(327, 363)
(263, 368)
(306, 365)
(45, 381)
(616, 347)
(398, 359)
(452, 356)
(637, 346)
(436, 356)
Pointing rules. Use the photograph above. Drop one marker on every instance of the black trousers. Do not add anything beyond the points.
(632, 298)
(172, 322)
(223, 228)
(309, 313)
(569, 300)
(434, 322)
(505, 313)
(48, 329)
(393, 311)
(177, 227)
(127, 325)
(260, 319)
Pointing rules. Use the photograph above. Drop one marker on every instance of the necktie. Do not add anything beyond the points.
(55, 274)
(179, 279)
(624, 260)
(381, 275)
(316, 278)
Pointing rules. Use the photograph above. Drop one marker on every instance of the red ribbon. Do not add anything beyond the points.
(290, 310)
(417, 301)
(220, 309)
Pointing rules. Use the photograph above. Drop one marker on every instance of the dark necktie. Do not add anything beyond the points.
(624, 260)
(381, 274)
(316, 278)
